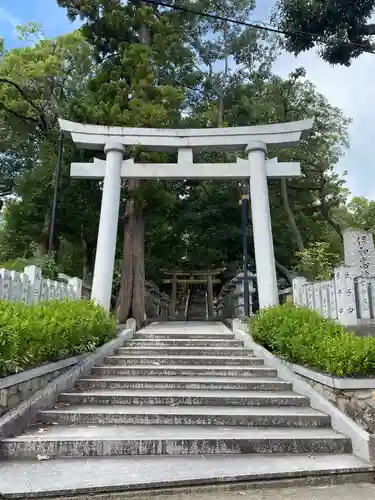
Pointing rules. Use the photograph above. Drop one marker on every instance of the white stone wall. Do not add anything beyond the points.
(30, 287)
(350, 296)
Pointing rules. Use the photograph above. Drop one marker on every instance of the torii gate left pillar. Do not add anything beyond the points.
(108, 226)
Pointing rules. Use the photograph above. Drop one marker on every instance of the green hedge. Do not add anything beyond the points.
(50, 331)
(302, 336)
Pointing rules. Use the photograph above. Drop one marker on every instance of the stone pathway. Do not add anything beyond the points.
(340, 492)
(181, 404)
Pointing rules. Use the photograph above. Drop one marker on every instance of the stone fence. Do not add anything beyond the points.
(30, 287)
(231, 300)
(350, 296)
(156, 303)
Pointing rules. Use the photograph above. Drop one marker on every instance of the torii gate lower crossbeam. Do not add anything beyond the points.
(253, 140)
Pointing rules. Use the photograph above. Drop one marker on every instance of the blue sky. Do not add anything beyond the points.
(351, 89)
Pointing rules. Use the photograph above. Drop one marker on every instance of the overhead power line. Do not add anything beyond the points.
(256, 25)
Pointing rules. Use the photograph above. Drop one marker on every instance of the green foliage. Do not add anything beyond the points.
(48, 265)
(345, 26)
(358, 213)
(316, 262)
(133, 64)
(49, 331)
(302, 336)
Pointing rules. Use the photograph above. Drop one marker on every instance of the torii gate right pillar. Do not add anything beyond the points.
(262, 228)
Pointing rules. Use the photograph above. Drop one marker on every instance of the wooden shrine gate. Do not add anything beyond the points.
(184, 283)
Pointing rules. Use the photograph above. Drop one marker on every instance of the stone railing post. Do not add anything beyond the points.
(345, 295)
(35, 283)
(76, 285)
(299, 295)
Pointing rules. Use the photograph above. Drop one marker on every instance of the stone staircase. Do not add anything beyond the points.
(197, 306)
(181, 404)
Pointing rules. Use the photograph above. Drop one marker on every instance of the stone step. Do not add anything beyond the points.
(183, 360)
(184, 335)
(124, 382)
(185, 397)
(119, 440)
(185, 370)
(185, 351)
(183, 343)
(111, 475)
(293, 416)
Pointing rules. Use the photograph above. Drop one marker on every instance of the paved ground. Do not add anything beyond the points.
(340, 492)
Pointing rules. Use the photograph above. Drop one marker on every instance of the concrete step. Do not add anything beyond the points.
(293, 416)
(185, 370)
(124, 382)
(184, 343)
(112, 475)
(183, 360)
(110, 440)
(186, 334)
(185, 351)
(185, 397)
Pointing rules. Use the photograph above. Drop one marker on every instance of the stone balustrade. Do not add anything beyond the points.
(231, 300)
(157, 303)
(349, 297)
(30, 287)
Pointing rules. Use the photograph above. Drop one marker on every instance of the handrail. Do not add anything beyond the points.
(206, 296)
(187, 305)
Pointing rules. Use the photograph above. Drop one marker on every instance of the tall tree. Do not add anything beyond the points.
(341, 29)
(38, 84)
(143, 68)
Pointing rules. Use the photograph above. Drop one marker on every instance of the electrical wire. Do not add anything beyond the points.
(263, 26)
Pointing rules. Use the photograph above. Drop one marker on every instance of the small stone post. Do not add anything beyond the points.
(210, 296)
(35, 279)
(345, 296)
(76, 284)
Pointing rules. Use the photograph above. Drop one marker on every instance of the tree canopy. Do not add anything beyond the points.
(341, 29)
(133, 64)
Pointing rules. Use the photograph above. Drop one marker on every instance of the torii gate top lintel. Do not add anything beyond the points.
(95, 137)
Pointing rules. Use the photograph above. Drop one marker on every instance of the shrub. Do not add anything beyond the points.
(316, 262)
(302, 336)
(49, 331)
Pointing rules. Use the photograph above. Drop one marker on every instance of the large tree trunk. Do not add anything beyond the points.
(88, 260)
(131, 297)
(131, 300)
(291, 219)
(42, 248)
(285, 272)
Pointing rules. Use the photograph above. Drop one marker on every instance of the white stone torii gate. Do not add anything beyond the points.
(252, 140)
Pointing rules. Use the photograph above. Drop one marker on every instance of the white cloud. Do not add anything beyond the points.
(351, 89)
(7, 18)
